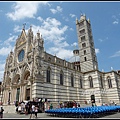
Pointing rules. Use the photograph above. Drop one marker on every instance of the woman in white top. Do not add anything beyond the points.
(32, 111)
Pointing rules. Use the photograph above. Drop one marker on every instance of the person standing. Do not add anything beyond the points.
(36, 111)
(1, 111)
(32, 111)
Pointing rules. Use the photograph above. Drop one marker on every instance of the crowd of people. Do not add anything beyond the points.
(30, 107)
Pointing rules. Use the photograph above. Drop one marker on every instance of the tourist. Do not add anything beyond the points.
(36, 111)
(1, 110)
(32, 111)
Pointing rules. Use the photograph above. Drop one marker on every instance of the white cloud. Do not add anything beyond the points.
(10, 39)
(74, 59)
(24, 9)
(72, 15)
(115, 22)
(2, 66)
(61, 52)
(52, 31)
(17, 28)
(117, 54)
(74, 44)
(66, 19)
(53, 11)
(1, 75)
(71, 29)
(65, 54)
(101, 40)
(57, 10)
(40, 19)
(5, 50)
(97, 50)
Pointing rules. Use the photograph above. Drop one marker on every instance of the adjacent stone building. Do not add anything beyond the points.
(31, 72)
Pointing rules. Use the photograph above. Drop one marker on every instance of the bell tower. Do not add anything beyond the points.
(88, 59)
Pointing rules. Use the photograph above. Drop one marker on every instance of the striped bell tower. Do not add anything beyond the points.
(88, 59)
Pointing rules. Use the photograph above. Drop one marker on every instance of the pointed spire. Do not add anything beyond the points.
(31, 27)
(82, 17)
(88, 20)
(24, 26)
(38, 35)
(11, 51)
(76, 20)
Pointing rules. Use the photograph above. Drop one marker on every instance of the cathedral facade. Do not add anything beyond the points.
(31, 72)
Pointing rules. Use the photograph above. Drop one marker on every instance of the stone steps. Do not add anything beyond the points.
(9, 108)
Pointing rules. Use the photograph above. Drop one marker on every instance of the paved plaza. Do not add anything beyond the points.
(46, 116)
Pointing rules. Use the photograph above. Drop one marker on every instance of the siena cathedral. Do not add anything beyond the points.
(31, 72)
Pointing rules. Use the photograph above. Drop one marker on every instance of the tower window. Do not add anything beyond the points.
(72, 80)
(117, 84)
(84, 52)
(85, 58)
(48, 75)
(109, 82)
(92, 44)
(84, 45)
(90, 82)
(82, 31)
(101, 81)
(81, 24)
(82, 38)
(61, 78)
(81, 86)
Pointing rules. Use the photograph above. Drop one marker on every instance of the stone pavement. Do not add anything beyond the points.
(46, 116)
(23, 116)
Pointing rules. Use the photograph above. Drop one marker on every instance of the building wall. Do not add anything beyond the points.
(31, 74)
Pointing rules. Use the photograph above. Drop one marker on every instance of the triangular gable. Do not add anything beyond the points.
(22, 38)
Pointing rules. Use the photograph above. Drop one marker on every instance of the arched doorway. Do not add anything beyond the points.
(93, 98)
(27, 92)
(15, 82)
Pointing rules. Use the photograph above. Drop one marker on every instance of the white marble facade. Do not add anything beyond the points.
(30, 72)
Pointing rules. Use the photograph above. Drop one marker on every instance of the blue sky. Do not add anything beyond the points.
(56, 23)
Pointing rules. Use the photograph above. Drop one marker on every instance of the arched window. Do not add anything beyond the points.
(72, 80)
(101, 81)
(48, 74)
(90, 82)
(109, 82)
(84, 45)
(16, 79)
(85, 58)
(117, 82)
(84, 52)
(81, 84)
(61, 77)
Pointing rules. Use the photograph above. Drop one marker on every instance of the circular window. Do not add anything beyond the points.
(21, 55)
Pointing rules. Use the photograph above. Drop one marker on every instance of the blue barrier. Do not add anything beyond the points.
(86, 112)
